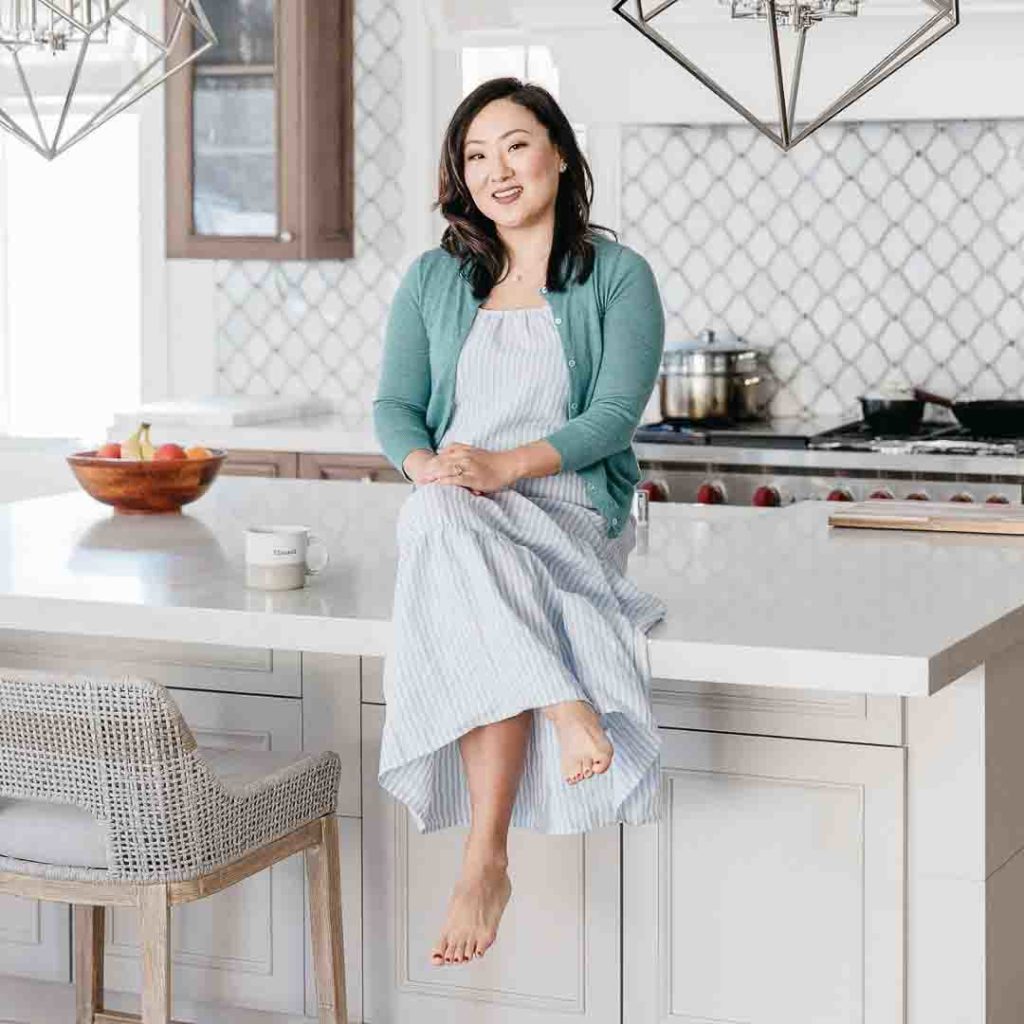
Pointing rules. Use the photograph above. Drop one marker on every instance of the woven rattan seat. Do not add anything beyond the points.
(175, 822)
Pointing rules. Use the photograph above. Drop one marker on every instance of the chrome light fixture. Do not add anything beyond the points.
(800, 87)
(62, 63)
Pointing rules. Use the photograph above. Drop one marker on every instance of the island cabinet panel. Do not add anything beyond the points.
(34, 940)
(244, 945)
(774, 711)
(772, 888)
(557, 954)
(179, 665)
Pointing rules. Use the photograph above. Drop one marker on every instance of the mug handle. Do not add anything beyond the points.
(313, 541)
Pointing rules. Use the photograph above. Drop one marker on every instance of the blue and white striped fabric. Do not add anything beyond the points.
(512, 600)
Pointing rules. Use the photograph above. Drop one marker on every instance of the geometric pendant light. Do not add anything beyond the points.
(789, 66)
(63, 63)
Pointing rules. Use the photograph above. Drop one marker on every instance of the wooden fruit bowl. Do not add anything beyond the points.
(133, 485)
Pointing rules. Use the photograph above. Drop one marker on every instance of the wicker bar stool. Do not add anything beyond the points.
(106, 800)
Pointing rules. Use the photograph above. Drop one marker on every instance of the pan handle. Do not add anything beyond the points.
(929, 396)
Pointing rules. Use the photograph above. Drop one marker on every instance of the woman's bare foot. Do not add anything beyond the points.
(477, 903)
(586, 749)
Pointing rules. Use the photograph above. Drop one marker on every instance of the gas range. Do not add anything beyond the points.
(931, 438)
(774, 462)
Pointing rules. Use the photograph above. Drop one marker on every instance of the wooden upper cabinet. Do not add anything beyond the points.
(259, 134)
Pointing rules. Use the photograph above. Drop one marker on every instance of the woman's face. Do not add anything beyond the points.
(510, 165)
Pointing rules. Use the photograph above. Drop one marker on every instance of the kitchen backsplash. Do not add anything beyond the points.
(870, 250)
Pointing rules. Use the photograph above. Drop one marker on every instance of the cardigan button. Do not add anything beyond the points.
(572, 362)
(544, 290)
(558, 319)
(573, 407)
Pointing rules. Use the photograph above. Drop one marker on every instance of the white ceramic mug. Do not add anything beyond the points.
(281, 557)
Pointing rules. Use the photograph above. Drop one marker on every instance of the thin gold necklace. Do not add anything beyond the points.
(517, 275)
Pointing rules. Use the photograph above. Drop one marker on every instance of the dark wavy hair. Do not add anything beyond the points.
(472, 237)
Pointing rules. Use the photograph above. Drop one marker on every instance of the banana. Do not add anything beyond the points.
(132, 448)
(145, 444)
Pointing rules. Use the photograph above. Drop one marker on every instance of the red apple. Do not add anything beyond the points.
(110, 450)
(167, 452)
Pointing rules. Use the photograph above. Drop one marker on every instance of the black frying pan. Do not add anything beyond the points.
(892, 415)
(995, 417)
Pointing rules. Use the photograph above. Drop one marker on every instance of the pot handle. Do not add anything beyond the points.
(929, 396)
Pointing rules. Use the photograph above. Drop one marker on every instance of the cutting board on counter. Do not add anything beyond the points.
(944, 517)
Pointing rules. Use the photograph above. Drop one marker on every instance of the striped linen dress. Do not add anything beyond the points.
(515, 599)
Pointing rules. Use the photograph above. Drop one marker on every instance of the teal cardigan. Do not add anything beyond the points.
(613, 332)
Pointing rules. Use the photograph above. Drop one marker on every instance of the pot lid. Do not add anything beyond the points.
(710, 341)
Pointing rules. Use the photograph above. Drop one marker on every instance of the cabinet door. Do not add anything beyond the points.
(244, 945)
(557, 952)
(35, 939)
(259, 145)
(771, 890)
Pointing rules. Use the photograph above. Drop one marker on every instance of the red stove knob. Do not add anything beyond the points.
(710, 494)
(883, 493)
(766, 496)
(997, 499)
(839, 494)
(961, 496)
(656, 490)
(918, 496)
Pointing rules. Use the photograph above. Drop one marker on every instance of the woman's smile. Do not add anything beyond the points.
(507, 195)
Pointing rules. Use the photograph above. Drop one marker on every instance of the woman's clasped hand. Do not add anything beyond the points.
(477, 469)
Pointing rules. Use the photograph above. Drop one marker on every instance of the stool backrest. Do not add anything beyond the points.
(118, 748)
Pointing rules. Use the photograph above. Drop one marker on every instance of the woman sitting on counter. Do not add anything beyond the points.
(518, 359)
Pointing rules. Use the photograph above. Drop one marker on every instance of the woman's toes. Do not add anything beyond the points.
(467, 949)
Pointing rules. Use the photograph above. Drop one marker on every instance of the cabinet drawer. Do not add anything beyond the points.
(184, 665)
(370, 468)
(271, 464)
(763, 710)
(773, 711)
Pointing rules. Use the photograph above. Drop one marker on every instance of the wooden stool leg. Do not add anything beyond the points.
(155, 919)
(323, 869)
(88, 963)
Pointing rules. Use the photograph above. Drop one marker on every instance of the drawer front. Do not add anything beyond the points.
(188, 666)
(763, 710)
(371, 468)
(271, 464)
(774, 711)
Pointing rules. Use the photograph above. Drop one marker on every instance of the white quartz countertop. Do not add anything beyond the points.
(325, 433)
(756, 596)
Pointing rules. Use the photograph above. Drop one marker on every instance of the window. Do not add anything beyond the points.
(529, 63)
(70, 283)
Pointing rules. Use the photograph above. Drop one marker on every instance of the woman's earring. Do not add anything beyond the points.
(564, 165)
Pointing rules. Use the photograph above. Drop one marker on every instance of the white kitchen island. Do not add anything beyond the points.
(843, 830)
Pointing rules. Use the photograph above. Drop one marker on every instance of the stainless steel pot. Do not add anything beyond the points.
(710, 379)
